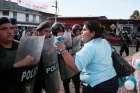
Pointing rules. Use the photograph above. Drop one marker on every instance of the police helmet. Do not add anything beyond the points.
(57, 27)
(43, 25)
(76, 28)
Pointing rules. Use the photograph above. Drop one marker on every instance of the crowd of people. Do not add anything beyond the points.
(80, 54)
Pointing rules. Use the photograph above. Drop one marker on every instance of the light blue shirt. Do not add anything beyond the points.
(94, 62)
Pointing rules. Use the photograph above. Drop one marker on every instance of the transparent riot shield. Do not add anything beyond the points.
(51, 67)
(65, 71)
(30, 45)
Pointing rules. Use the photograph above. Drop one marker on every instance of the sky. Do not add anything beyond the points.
(112, 9)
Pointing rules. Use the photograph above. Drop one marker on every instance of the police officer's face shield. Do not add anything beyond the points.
(60, 33)
(77, 32)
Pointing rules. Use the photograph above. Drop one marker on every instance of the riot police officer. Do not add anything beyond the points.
(58, 30)
(16, 77)
(48, 77)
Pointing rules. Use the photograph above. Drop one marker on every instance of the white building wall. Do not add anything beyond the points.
(1, 14)
(10, 14)
(21, 17)
(30, 18)
(37, 19)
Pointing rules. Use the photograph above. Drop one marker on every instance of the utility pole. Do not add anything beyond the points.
(56, 8)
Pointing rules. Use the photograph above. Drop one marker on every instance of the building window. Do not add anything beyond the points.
(15, 15)
(34, 18)
(27, 17)
(5, 13)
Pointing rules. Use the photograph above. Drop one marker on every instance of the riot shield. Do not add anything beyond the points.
(30, 45)
(50, 65)
(65, 71)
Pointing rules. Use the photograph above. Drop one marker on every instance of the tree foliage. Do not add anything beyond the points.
(135, 15)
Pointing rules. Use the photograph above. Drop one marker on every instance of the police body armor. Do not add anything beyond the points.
(65, 70)
(50, 67)
(15, 80)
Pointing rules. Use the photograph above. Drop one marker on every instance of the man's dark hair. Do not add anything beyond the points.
(4, 20)
(13, 21)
